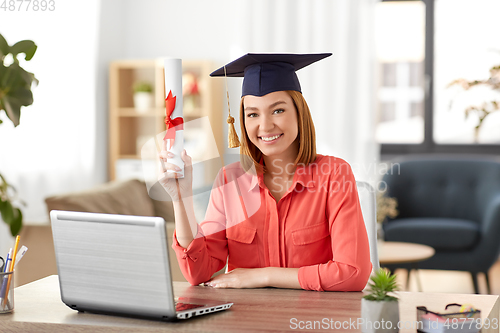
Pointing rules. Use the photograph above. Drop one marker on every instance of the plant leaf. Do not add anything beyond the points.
(4, 47)
(13, 78)
(7, 212)
(21, 96)
(17, 222)
(27, 77)
(382, 283)
(27, 47)
(13, 110)
(4, 76)
(15, 82)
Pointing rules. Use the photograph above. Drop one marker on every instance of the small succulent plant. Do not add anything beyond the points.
(381, 284)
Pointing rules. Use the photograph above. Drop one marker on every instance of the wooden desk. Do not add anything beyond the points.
(38, 308)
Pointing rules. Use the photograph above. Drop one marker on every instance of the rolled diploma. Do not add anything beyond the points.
(173, 82)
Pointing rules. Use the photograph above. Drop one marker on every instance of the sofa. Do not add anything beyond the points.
(121, 197)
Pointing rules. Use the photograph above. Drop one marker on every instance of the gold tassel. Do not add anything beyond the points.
(234, 142)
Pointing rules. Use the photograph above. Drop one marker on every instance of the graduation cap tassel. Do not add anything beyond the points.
(233, 140)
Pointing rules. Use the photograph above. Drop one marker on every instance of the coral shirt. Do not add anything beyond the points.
(317, 226)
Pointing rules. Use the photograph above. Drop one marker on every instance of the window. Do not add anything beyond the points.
(400, 31)
(466, 46)
(422, 46)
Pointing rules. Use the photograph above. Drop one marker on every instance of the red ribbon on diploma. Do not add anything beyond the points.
(179, 121)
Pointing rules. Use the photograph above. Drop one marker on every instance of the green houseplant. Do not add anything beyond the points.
(15, 92)
(142, 95)
(379, 308)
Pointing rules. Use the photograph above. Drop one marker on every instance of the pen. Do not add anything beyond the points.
(20, 254)
(5, 278)
(14, 253)
(7, 261)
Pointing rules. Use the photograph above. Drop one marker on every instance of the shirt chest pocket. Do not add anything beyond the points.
(312, 245)
(242, 246)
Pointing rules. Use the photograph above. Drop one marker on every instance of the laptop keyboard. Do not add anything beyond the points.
(186, 306)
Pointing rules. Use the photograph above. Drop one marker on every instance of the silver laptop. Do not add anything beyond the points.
(118, 264)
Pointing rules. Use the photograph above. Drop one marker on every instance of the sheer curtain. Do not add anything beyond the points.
(339, 90)
(53, 149)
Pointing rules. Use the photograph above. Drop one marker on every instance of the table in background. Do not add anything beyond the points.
(38, 308)
(404, 253)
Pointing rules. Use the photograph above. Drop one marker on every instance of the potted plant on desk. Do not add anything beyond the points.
(379, 309)
(15, 92)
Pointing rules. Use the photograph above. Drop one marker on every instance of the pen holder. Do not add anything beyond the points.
(6, 292)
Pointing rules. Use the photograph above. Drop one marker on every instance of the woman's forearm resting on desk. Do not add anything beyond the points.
(198, 266)
(258, 278)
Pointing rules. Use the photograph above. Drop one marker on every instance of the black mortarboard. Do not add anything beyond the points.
(264, 73)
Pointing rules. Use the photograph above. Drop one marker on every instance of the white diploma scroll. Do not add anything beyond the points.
(173, 84)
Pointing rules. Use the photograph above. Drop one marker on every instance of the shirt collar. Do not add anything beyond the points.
(257, 179)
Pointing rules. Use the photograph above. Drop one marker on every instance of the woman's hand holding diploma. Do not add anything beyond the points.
(177, 188)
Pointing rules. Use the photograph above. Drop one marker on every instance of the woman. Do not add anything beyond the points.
(296, 221)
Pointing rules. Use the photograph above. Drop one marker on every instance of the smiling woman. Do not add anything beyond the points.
(293, 111)
(270, 124)
(283, 216)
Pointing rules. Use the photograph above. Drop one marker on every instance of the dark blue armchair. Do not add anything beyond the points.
(451, 204)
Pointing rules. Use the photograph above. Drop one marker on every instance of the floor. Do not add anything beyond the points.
(450, 281)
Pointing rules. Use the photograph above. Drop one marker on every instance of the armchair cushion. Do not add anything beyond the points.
(443, 234)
